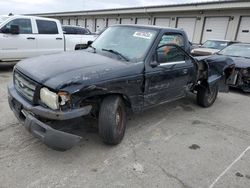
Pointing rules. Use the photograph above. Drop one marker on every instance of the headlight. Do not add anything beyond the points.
(54, 100)
(49, 98)
(64, 97)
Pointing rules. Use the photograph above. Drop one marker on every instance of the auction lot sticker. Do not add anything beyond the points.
(145, 35)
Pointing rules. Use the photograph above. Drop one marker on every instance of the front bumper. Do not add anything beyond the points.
(27, 115)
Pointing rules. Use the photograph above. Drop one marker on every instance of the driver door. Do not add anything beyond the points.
(17, 46)
(168, 78)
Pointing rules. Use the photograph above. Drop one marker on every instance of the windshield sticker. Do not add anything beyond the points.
(145, 35)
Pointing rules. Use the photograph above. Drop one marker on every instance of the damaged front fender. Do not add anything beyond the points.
(218, 70)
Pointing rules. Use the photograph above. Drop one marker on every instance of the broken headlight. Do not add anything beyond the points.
(53, 100)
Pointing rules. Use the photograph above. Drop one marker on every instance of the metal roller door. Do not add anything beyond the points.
(143, 21)
(81, 22)
(188, 25)
(215, 28)
(244, 29)
(90, 24)
(65, 21)
(100, 24)
(163, 22)
(72, 21)
(127, 21)
(112, 21)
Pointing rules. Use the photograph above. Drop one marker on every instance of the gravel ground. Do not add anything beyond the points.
(175, 145)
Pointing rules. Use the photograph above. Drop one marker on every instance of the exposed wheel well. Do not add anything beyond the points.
(96, 101)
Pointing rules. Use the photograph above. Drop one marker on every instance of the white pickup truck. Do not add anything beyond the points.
(28, 36)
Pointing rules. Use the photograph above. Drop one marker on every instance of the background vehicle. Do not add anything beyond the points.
(75, 30)
(127, 66)
(80, 34)
(240, 54)
(211, 47)
(28, 36)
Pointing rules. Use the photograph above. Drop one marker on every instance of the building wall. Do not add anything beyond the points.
(231, 32)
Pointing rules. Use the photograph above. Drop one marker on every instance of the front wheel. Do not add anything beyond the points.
(205, 96)
(112, 120)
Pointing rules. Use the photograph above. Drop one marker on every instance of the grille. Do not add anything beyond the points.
(24, 86)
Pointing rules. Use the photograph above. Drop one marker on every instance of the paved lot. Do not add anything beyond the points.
(174, 145)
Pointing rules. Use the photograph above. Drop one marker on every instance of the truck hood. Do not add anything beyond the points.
(58, 71)
(241, 62)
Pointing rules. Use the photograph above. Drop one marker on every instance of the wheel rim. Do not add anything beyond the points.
(211, 94)
(119, 120)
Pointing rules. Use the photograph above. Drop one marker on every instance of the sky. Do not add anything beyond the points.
(44, 6)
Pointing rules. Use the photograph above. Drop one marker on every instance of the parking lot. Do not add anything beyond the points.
(174, 145)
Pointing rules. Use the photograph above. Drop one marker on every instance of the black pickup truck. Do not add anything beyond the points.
(127, 67)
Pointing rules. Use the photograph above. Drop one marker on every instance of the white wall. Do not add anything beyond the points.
(172, 21)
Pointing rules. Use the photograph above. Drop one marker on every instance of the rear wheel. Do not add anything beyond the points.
(205, 96)
(112, 120)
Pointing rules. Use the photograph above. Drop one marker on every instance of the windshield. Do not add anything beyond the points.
(3, 18)
(130, 42)
(215, 44)
(236, 50)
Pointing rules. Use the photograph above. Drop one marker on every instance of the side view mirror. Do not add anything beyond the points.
(14, 29)
(89, 43)
(154, 62)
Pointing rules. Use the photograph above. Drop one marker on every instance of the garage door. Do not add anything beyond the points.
(244, 30)
(143, 21)
(81, 22)
(163, 22)
(112, 21)
(100, 24)
(90, 24)
(127, 21)
(72, 21)
(65, 21)
(188, 25)
(215, 28)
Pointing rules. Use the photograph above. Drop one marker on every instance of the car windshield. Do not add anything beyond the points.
(3, 18)
(236, 50)
(215, 44)
(130, 42)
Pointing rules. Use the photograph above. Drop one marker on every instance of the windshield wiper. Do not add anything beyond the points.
(115, 52)
(235, 56)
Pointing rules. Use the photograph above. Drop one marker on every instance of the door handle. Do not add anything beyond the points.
(31, 38)
(58, 38)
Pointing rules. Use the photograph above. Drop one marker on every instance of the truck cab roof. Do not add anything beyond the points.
(4, 18)
(154, 27)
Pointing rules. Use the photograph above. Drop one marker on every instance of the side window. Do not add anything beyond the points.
(24, 26)
(172, 39)
(68, 30)
(170, 54)
(81, 31)
(46, 27)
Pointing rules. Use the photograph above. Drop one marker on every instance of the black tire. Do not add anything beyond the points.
(206, 98)
(112, 120)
